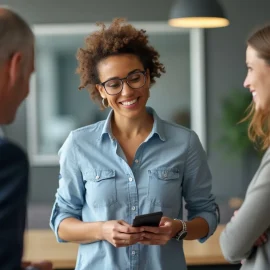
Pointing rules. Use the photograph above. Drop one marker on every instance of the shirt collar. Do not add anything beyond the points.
(107, 127)
(158, 127)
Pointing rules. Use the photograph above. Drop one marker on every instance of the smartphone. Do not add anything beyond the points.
(152, 219)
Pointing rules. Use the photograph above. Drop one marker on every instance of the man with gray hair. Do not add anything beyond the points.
(16, 67)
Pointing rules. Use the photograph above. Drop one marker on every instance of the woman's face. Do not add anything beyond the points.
(258, 79)
(129, 102)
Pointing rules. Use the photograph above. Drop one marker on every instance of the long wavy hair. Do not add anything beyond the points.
(259, 126)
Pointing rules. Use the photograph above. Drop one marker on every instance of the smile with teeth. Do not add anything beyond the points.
(128, 103)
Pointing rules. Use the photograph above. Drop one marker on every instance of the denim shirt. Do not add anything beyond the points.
(97, 184)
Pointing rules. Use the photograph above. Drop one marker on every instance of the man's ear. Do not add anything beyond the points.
(15, 67)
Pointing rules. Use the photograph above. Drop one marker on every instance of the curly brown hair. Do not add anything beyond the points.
(259, 126)
(118, 38)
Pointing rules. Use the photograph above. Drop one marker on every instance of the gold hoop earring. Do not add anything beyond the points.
(103, 103)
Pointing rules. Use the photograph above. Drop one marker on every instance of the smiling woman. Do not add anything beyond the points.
(54, 107)
(130, 164)
(130, 103)
(251, 245)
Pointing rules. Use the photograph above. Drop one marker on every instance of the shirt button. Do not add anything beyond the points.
(97, 177)
(133, 208)
(133, 252)
(136, 161)
(130, 179)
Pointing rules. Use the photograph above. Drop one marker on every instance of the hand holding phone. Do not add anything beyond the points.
(152, 220)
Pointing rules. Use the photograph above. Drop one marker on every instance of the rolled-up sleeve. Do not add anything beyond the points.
(70, 194)
(197, 185)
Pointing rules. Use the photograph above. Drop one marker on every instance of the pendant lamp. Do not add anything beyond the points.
(197, 14)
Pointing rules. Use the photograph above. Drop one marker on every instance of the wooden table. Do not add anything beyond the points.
(42, 245)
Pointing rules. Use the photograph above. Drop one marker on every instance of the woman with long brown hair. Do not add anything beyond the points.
(245, 238)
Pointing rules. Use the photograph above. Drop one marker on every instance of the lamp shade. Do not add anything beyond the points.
(197, 14)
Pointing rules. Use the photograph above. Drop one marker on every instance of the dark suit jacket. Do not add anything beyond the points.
(13, 199)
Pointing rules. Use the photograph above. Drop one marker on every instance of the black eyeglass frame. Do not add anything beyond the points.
(122, 82)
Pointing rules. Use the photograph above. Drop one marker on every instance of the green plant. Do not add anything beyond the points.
(234, 134)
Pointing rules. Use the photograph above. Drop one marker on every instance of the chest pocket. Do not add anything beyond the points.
(100, 187)
(165, 187)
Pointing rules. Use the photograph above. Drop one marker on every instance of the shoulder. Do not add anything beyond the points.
(181, 133)
(82, 136)
(263, 173)
(14, 167)
(11, 151)
(266, 157)
(170, 126)
(187, 138)
(265, 163)
(94, 129)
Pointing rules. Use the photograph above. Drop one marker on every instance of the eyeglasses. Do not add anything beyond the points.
(134, 80)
